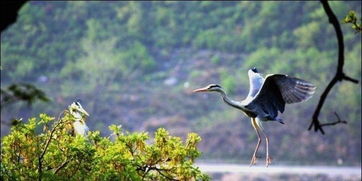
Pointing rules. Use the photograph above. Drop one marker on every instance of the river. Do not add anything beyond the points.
(234, 172)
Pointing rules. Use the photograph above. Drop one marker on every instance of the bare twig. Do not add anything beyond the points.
(61, 166)
(129, 146)
(40, 158)
(167, 177)
(334, 123)
(345, 77)
(339, 76)
(148, 168)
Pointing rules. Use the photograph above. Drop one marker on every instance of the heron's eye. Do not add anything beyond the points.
(254, 70)
(214, 86)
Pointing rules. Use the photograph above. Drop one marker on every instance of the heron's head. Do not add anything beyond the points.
(254, 70)
(77, 110)
(209, 88)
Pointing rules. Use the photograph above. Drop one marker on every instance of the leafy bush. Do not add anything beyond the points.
(36, 150)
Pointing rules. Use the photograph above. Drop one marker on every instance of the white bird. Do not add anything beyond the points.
(79, 125)
(267, 96)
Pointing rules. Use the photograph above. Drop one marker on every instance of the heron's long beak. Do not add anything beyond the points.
(83, 111)
(204, 89)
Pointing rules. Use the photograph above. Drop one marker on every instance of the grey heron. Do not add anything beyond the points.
(267, 96)
(77, 111)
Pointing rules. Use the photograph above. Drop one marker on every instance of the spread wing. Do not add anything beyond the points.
(256, 81)
(276, 91)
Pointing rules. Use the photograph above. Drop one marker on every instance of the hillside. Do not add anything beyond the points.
(136, 63)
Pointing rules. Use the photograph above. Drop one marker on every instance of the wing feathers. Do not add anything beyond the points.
(293, 89)
(276, 91)
(300, 89)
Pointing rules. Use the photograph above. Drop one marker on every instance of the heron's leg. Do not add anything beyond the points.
(267, 158)
(254, 124)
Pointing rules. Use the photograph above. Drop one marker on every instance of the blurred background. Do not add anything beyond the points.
(135, 64)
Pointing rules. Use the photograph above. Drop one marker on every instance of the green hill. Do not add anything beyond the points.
(135, 64)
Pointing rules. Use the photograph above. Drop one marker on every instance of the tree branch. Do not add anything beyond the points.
(61, 166)
(40, 158)
(339, 76)
(345, 77)
(167, 177)
(148, 168)
(334, 123)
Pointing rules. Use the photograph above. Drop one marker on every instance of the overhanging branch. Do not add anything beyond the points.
(339, 76)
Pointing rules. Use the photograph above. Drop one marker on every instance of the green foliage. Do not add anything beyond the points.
(140, 31)
(228, 81)
(44, 148)
(215, 59)
(351, 18)
(22, 92)
(263, 56)
(307, 35)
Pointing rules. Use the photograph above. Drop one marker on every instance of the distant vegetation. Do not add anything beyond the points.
(134, 63)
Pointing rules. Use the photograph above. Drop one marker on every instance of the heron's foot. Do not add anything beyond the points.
(267, 161)
(253, 160)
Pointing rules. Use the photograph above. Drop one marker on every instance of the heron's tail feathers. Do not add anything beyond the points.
(280, 120)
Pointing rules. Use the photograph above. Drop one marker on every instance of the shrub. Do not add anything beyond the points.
(36, 150)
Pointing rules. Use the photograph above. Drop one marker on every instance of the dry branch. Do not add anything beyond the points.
(339, 76)
(336, 122)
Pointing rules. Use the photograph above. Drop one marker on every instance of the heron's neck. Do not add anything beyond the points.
(78, 117)
(228, 101)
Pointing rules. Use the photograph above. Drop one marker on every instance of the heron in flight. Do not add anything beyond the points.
(267, 96)
(77, 111)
